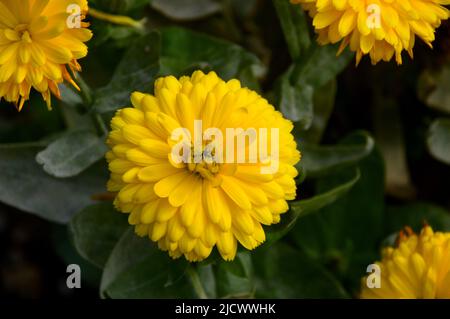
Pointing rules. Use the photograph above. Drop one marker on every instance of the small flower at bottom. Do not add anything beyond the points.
(380, 28)
(40, 41)
(190, 207)
(418, 268)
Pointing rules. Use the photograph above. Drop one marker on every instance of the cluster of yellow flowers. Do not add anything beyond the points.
(40, 45)
(189, 208)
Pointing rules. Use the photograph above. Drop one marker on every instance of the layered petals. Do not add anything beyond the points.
(418, 268)
(40, 44)
(190, 207)
(380, 28)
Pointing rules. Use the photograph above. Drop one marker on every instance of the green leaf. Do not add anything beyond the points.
(202, 278)
(295, 92)
(109, 37)
(320, 160)
(187, 9)
(296, 102)
(345, 235)
(415, 215)
(302, 208)
(323, 107)
(320, 65)
(23, 184)
(135, 72)
(74, 121)
(235, 279)
(72, 153)
(295, 27)
(184, 51)
(137, 269)
(96, 230)
(439, 140)
(283, 272)
(64, 247)
(69, 97)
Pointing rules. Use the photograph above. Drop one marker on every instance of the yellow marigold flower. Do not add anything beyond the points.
(191, 207)
(39, 39)
(419, 267)
(380, 28)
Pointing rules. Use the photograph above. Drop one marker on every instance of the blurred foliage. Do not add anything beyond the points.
(362, 132)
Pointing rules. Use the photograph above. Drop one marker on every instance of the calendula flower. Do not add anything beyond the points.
(191, 206)
(380, 28)
(40, 41)
(419, 267)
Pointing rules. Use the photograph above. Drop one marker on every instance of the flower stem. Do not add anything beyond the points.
(196, 282)
(85, 92)
(99, 123)
(88, 100)
(118, 19)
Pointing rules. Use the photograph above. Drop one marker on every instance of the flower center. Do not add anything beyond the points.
(203, 164)
(22, 33)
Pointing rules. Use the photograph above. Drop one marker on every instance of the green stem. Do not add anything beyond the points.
(100, 125)
(118, 19)
(85, 92)
(88, 100)
(196, 282)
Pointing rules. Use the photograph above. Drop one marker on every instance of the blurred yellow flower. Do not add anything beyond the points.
(380, 28)
(418, 268)
(39, 41)
(190, 207)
